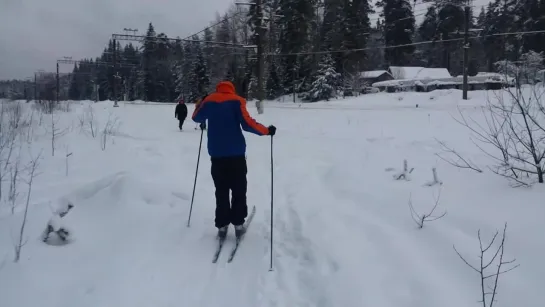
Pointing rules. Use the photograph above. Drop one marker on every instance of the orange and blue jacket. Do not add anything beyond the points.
(226, 112)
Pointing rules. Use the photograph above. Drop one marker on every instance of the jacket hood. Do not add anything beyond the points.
(225, 87)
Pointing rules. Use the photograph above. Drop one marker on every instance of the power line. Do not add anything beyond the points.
(388, 26)
(406, 45)
(215, 24)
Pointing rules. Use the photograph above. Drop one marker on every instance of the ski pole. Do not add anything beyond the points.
(272, 198)
(195, 183)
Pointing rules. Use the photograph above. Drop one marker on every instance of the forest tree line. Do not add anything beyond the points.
(314, 48)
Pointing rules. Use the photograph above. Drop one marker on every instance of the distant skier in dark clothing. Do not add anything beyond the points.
(226, 112)
(181, 113)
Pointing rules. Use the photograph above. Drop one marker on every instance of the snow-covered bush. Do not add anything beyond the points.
(56, 226)
(525, 71)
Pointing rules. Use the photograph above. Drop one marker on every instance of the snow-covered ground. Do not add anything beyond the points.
(343, 232)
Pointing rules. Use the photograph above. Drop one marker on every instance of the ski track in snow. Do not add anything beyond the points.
(343, 235)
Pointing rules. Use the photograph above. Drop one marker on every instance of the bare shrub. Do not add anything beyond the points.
(65, 106)
(419, 218)
(516, 123)
(489, 288)
(516, 133)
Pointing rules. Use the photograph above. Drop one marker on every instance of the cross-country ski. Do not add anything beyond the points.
(238, 240)
(221, 240)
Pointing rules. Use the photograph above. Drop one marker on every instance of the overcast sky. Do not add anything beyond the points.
(35, 33)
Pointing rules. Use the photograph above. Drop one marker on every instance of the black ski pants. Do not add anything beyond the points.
(181, 119)
(229, 175)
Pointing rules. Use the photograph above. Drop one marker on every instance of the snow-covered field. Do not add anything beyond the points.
(343, 232)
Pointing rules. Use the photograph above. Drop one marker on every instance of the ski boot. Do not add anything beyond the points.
(240, 230)
(222, 232)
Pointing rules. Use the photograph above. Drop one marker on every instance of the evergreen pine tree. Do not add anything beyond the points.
(273, 81)
(428, 31)
(208, 48)
(294, 24)
(327, 81)
(199, 79)
(73, 91)
(148, 72)
(399, 27)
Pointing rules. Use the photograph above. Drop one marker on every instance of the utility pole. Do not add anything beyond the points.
(259, 65)
(115, 74)
(58, 83)
(466, 50)
(259, 32)
(35, 88)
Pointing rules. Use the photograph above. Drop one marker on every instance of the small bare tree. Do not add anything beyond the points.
(420, 219)
(32, 173)
(67, 155)
(490, 288)
(14, 180)
(3, 141)
(55, 132)
(14, 115)
(30, 128)
(457, 160)
(110, 129)
(10, 129)
(88, 122)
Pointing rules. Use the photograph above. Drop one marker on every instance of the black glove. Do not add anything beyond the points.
(272, 130)
(203, 126)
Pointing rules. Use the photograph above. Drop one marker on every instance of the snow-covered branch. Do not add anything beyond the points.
(457, 160)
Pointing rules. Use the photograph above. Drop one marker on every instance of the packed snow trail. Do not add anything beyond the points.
(343, 231)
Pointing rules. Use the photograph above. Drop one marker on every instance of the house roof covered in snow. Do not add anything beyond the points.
(417, 72)
(373, 74)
